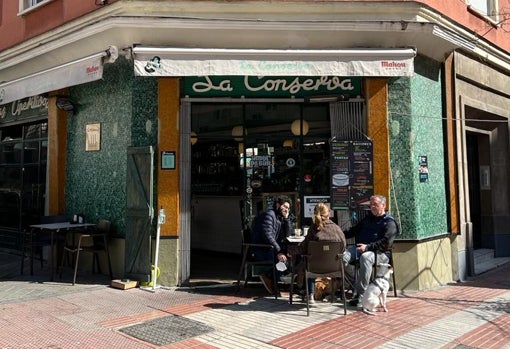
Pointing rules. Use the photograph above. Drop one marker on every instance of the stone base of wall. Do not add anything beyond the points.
(422, 266)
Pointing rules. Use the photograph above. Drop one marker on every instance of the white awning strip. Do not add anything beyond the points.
(73, 73)
(164, 61)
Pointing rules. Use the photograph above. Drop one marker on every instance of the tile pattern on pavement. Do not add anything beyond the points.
(473, 314)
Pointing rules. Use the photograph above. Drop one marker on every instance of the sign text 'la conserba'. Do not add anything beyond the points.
(269, 86)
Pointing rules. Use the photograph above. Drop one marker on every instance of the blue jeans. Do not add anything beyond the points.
(311, 285)
(366, 262)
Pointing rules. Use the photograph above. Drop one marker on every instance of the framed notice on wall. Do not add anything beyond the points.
(93, 137)
(352, 177)
(168, 160)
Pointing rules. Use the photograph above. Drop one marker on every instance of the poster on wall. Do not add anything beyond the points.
(311, 201)
(423, 169)
(352, 178)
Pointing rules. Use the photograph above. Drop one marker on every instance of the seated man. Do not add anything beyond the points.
(374, 234)
(272, 228)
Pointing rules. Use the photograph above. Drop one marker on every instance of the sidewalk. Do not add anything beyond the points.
(41, 314)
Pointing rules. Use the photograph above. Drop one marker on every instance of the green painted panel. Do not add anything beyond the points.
(126, 108)
(416, 129)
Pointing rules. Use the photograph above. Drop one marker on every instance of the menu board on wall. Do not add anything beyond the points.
(352, 178)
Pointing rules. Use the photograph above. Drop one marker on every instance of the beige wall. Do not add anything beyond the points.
(424, 265)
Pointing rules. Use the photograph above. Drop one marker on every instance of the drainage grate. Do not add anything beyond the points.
(166, 330)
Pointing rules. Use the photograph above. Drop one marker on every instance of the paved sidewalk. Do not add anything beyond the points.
(40, 314)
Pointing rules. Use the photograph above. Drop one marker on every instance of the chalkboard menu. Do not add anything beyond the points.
(352, 178)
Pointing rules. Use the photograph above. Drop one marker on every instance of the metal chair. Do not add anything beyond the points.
(248, 260)
(324, 259)
(374, 273)
(93, 241)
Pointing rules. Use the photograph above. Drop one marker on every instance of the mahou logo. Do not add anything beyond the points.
(92, 69)
(393, 65)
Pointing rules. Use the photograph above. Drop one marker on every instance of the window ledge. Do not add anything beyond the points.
(33, 8)
(484, 16)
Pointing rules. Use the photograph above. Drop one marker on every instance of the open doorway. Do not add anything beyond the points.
(241, 153)
(474, 188)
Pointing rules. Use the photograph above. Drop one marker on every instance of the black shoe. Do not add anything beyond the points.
(354, 302)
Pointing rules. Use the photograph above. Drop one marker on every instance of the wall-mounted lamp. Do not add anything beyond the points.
(327, 98)
(238, 132)
(298, 128)
(65, 104)
(193, 137)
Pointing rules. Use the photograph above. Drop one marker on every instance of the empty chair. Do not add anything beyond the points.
(93, 241)
(325, 259)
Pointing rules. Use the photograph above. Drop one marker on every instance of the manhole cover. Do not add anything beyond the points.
(166, 330)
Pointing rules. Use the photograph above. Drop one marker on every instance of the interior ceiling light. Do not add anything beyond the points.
(298, 128)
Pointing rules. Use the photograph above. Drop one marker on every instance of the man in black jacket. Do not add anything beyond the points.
(374, 234)
(272, 228)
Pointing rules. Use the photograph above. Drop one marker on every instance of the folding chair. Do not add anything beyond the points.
(324, 259)
(248, 260)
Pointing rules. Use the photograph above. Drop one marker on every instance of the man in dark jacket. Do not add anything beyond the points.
(374, 234)
(272, 228)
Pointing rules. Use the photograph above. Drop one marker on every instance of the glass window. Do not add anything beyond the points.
(487, 8)
(25, 5)
(23, 152)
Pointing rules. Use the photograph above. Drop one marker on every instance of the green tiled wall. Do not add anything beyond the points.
(416, 128)
(126, 108)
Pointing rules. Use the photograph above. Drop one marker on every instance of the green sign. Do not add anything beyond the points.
(271, 86)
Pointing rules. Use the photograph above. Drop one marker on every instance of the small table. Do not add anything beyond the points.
(55, 228)
(295, 239)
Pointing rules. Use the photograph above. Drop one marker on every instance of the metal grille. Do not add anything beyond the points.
(348, 120)
(166, 330)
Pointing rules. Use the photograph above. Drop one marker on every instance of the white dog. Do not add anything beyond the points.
(377, 290)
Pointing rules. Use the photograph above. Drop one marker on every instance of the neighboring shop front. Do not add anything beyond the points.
(23, 159)
(481, 139)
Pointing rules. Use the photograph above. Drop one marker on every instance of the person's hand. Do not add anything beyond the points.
(285, 210)
(362, 248)
(281, 257)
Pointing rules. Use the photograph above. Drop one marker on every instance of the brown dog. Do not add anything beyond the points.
(325, 289)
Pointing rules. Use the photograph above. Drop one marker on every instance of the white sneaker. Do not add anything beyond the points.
(311, 299)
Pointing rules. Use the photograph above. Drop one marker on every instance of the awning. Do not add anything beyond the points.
(164, 61)
(73, 73)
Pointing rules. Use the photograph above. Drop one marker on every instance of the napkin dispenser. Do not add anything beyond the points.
(78, 218)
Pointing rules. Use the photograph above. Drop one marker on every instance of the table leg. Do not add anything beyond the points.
(51, 255)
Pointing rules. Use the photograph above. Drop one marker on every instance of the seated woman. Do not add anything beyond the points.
(322, 229)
